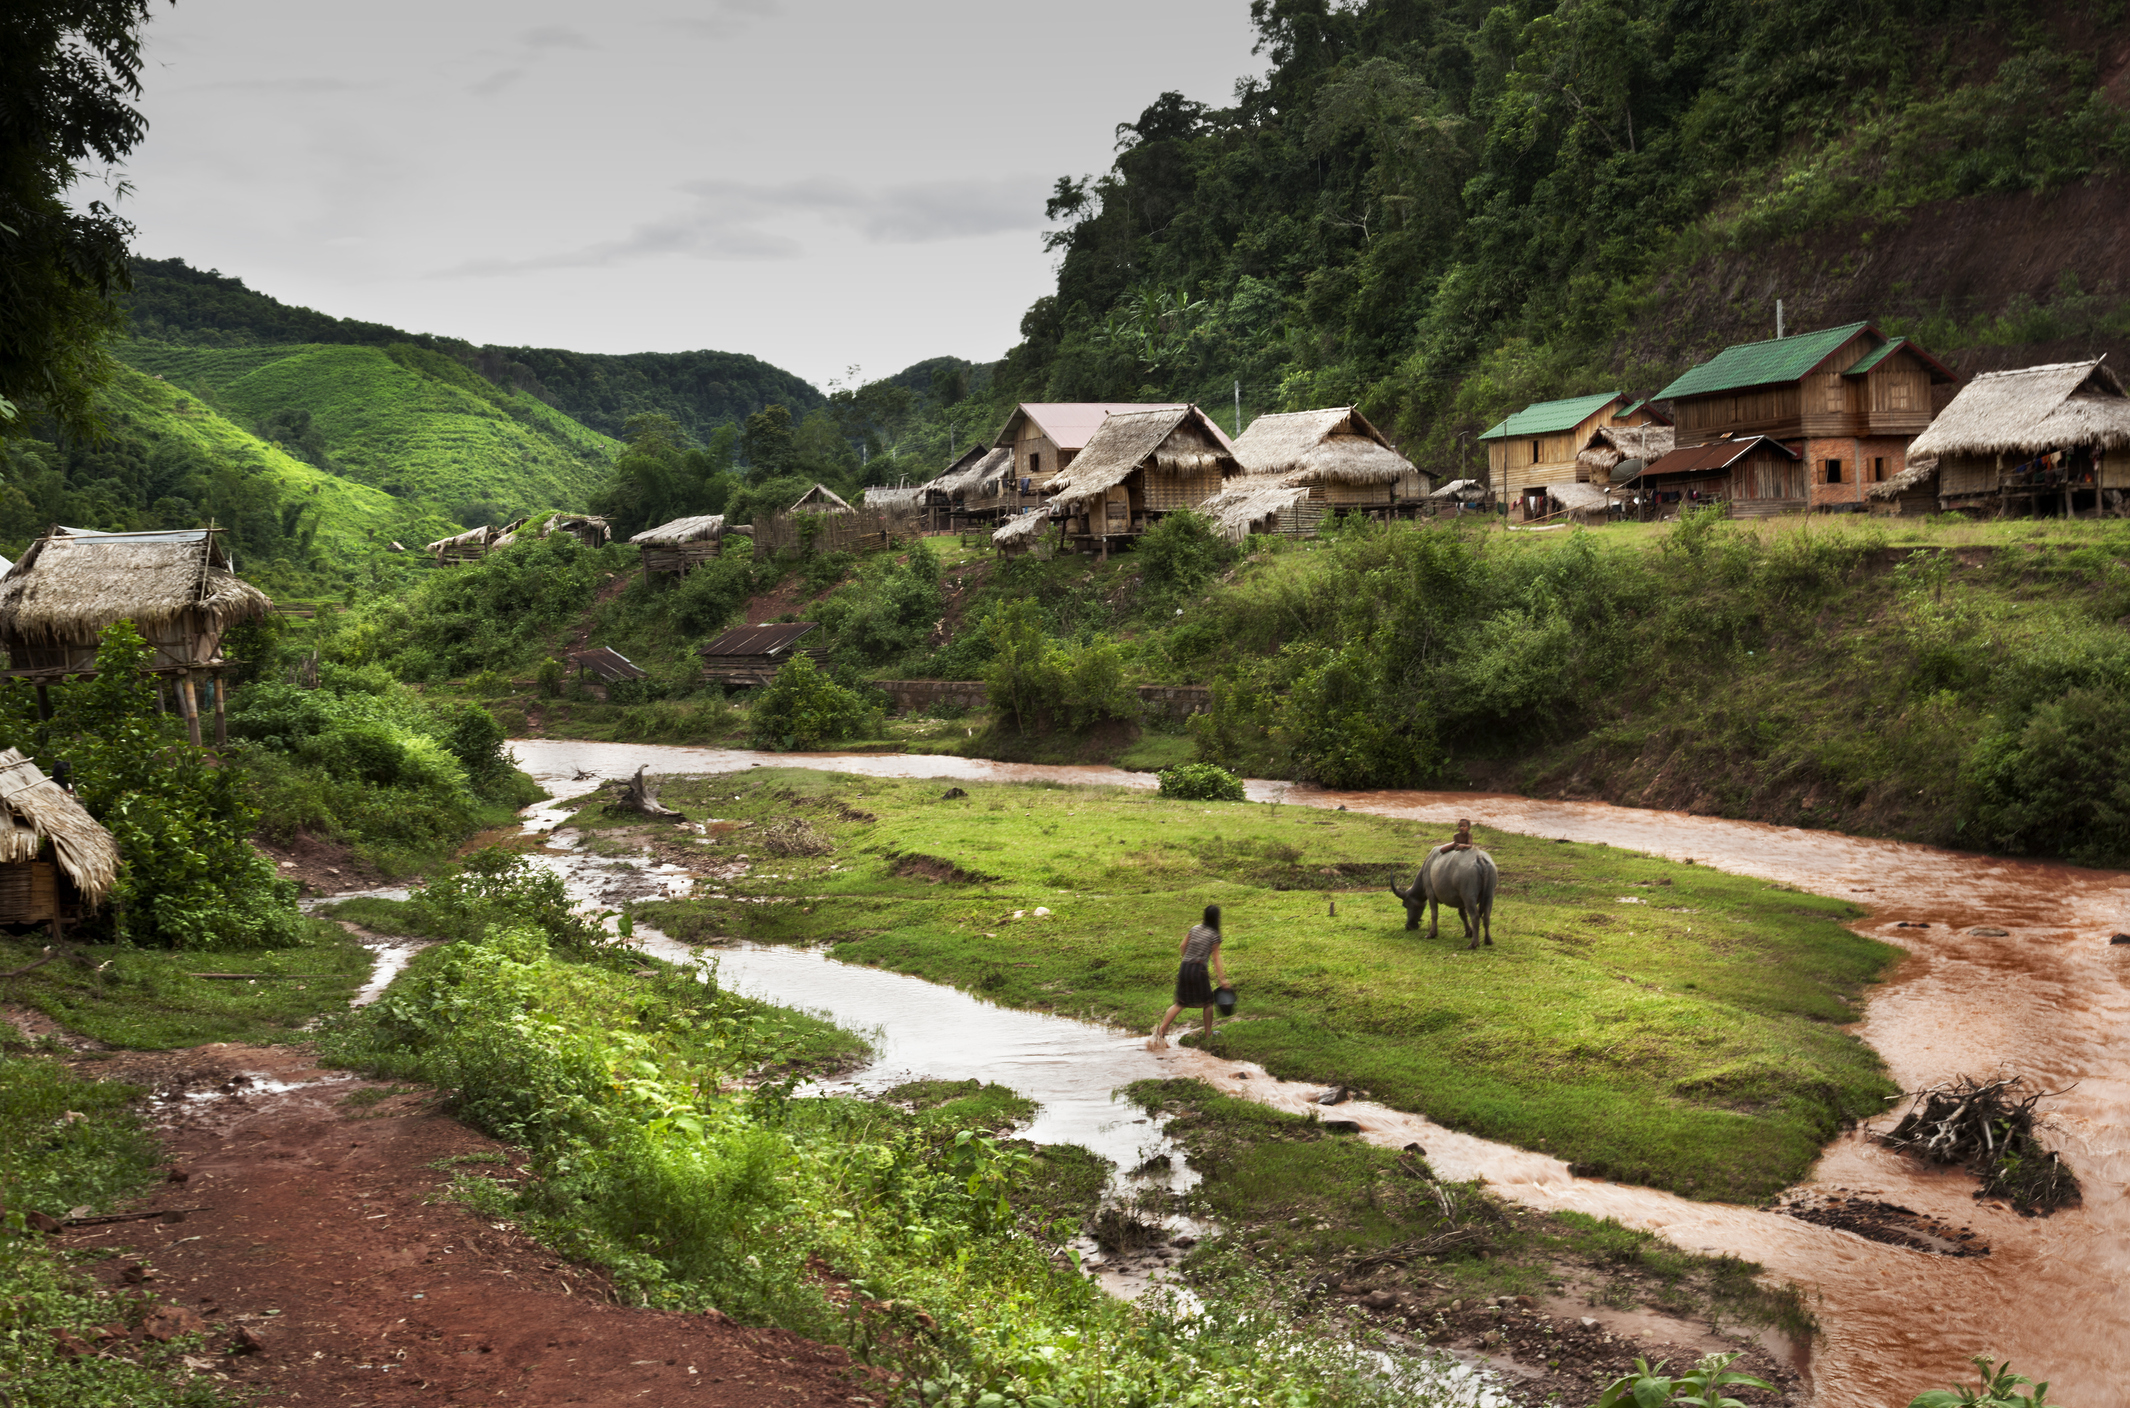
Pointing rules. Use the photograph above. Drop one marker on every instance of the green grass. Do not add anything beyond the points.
(378, 916)
(1689, 1040)
(1302, 1202)
(142, 999)
(65, 1143)
(403, 420)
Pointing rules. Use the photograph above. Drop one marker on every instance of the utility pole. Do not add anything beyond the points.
(1238, 407)
(1778, 320)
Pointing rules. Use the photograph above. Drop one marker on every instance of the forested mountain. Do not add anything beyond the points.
(175, 303)
(1445, 208)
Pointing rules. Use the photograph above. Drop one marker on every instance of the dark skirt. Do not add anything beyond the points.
(1193, 988)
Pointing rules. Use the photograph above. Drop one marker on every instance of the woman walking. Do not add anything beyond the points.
(1201, 946)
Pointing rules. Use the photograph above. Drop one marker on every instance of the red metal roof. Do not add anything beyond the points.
(1070, 424)
(1712, 458)
(758, 640)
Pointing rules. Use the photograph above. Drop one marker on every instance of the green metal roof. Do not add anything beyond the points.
(1625, 411)
(1549, 417)
(1761, 363)
(1877, 355)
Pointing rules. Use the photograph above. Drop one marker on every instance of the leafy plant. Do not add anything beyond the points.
(1999, 1388)
(1701, 1387)
(1200, 782)
(802, 708)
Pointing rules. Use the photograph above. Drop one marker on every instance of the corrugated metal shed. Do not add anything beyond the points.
(758, 640)
(609, 665)
(1712, 458)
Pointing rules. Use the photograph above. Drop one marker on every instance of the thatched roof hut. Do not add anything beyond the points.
(683, 544)
(1335, 453)
(1262, 503)
(1469, 491)
(2031, 411)
(56, 862)
(820, 499)
(177, 587)
(1913, 491)
(1139, 465)
(587, 528)
(1612, 451)
(887, 496)
(1019, 533)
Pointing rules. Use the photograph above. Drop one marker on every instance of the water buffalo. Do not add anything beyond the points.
(1463, 880)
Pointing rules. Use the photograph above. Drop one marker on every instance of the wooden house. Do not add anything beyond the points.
(177, 587)
(1537, 448)
(977, 488)
(587, 528)
(1847, 399)
(2045, 439)
(473, 544)
(57, 864)
(684, 544)
(1044, 437)
(1342, 460)
(1757, 476)
(1138, 466)
(747, 656)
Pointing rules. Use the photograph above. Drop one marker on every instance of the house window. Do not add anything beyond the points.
(1834, 471)
(1878, 470)
(1538, 451)
(1035, 463)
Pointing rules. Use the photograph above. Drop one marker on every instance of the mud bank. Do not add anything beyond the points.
(2009, 967)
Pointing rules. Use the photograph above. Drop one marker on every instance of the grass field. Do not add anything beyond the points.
(1652, 1022)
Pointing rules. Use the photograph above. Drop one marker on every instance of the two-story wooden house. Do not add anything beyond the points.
(1045, 436)
(1534, 451)
(1846, 400)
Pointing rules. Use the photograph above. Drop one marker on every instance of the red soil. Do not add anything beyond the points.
(322, 867)
(327, 1240)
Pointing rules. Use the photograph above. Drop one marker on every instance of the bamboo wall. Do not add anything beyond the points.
(859, 530)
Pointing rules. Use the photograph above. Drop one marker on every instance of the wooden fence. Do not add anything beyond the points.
(858, 530)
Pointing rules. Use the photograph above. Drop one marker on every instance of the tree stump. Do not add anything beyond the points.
(640, 794)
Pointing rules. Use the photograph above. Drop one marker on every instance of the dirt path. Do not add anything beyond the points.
(328, 1241)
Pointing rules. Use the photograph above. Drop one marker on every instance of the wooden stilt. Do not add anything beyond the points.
(44, 702)
(189, 706)
(221, 714)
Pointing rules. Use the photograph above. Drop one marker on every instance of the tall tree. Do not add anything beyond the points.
(69, 82)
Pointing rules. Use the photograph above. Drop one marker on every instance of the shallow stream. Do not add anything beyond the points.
(2046, 997)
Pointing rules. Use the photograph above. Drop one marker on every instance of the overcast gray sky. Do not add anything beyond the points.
(822, 183)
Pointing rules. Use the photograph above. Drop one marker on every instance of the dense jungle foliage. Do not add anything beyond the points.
(1443, 209)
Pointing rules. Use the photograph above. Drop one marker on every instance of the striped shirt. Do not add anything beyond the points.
(1198, 945)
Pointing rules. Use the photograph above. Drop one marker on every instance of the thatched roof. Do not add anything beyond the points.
(70, 585)
(34, 809)
(1178, 439)
(587, 528)
(1470, 489)
(1578, 497)
(1334, 446)
(1070, 425)
(974, 475)
(883, 496)
(1610, 444)
(2031, 411)
(821, 499)
(471, 538)
(1020, 529)
(1914, 477)
(1250, 499)
(700, 529)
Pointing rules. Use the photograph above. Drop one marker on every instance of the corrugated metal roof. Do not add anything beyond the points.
(1938, 370)
(1549, 417)
(1762, 363)
(1711, 458)
(608, 664)
(758, 640)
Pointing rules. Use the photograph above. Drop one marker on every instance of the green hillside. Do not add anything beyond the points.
(172, 302)
(404, 419)
(170, 459)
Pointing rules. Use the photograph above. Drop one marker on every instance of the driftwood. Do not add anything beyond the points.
(640, 794)
(50, 953)
(1441, 1242)
(1988, 1128)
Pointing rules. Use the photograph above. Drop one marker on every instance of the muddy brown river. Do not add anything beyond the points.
(2046, 998)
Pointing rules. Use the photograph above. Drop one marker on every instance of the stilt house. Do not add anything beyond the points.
(177, 587)
(1045, 437)
(684, 544)
(57, 864)
(1137, 467)
(2039, 439)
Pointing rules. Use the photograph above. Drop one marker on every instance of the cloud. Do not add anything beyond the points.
(555, 36)
(495, 82)
(723, 19)
(280, 85)
(728, 220)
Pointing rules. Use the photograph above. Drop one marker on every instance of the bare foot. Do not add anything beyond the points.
(1157, 1042)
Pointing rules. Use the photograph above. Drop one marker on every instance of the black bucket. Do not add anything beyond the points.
(1224, 1001)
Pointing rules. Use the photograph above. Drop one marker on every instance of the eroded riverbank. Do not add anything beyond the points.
(2045, 997)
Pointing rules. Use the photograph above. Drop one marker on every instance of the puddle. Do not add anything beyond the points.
(2009, 967)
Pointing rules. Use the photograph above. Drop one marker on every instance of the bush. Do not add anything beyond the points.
(803, 708)
(2054, 784)
(1200, 782)
(498, 888)
(1036, 681)
(1183, 550)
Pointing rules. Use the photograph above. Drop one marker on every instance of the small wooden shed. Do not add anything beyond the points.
(1263, 503)
(57, 864)
(2034, 439)
(684, 544)
(1138, 466)
(607, 663)
(1020, 533)
(177, 587)
(1341, 459)
(746, 656)
(1617, 453)
(1912, 492)
(587, 528)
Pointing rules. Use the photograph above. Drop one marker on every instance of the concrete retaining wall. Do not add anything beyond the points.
(1175, 701)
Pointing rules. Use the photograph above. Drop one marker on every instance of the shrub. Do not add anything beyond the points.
(497, 888)
(1183, 550)
(1200, 782)
(803, 708)
(2053, 784)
